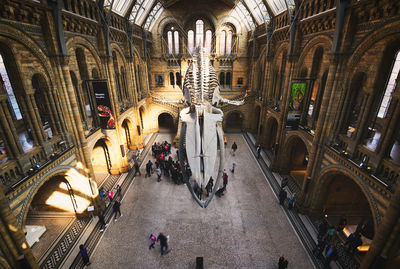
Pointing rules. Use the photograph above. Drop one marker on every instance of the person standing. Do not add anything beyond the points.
(153, 240)
(233, 168)
(282, 196)
(258, 151)
(284, 182)
(234, 148)
(163, 243)
(117, 210)
(225, 180)
(291, 201)
(158, 171)
(84, 255)
(119, 192)
(209, 186)
(331, 254)
(283, 263)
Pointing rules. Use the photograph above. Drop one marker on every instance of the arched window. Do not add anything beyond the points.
(222, 43)
(169, 37)
(208, 40)
(190, 41)
(222, 79)
(5, 81)
(199, 33)
(228, 81)
(171, 78)
(391, 84)
(229, 43)
(176, 42)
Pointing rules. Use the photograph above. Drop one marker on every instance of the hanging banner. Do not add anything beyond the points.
(297, 93)
(104, 111)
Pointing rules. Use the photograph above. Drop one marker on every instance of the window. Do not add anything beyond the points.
(5, 81)
(387, 97)
(208, 41)
(229, 43)
(190, 41)
(199, 33)
(169, 37)
(222, 79)
(228, 79)
(176, 42)
(222, 43)
(178, 79)
(171, 79)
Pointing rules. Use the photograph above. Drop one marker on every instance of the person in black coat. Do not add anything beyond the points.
(282, 196)
(163, 243)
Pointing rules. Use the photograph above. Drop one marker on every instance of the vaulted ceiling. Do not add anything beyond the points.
(146, 12)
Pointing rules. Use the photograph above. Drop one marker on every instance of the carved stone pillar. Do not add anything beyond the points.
(52, 114)
(13, 243)
(11, 136)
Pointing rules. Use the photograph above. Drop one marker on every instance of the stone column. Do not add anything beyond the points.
(11, 136)
(77, 119)
(13, 243)
(383, 232)
(54, 126)
(37, 116)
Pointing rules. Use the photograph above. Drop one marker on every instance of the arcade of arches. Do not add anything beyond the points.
(87, 85)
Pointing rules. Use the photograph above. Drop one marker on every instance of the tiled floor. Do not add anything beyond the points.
(245, 228)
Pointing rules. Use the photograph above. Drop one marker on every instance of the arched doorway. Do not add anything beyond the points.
(166, 122)
(53, 209)
(101, 160)
(234, 122)
(298, 159)
(339, 196)
(126, 125)
(271, 129)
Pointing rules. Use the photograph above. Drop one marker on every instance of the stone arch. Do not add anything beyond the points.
(320, 41)
(117, 48)
(77, 41)
(102, 153)
(127, 127)
(391, 30)
(231, 20)
(10, 32)
(166, 120)
(23, 213)
(295, 160)
(234, 120)
(320, 189)
(190, 17)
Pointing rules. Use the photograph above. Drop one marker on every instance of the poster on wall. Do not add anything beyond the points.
(297, 93)
(103, 103)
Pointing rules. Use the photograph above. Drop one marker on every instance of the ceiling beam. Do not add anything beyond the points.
(129, 10)
(251, 13)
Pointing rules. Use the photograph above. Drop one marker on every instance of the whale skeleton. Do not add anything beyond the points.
(201, 129)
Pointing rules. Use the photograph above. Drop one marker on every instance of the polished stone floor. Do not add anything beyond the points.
(245, 228)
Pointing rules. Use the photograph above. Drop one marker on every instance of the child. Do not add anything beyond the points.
(233, 168)
(153, 240)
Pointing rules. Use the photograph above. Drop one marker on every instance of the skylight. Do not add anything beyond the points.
(244, 15)
(258, 9)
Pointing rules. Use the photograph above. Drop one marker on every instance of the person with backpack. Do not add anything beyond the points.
(234, 148)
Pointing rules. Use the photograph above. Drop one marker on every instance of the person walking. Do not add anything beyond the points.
(158, 171)
(234, 148)
(163, 243)
(225, 179)
(102, 221)
(137, 169)
(149, 166)
(84, 255)
(283, 263)
(258, 151)
(233, 168)
(153, 240)
(117, 210)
